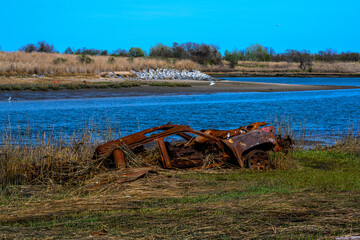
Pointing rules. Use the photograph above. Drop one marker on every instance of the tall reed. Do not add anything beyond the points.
(43, 63)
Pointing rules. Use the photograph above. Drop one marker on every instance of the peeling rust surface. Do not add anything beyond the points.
(246, 146)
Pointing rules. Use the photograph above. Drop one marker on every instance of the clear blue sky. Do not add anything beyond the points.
(309, 24)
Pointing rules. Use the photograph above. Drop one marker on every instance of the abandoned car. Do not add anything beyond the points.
(246, 146)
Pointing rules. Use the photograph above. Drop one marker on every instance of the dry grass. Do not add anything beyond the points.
(42, 63)
(337, 67)
(47, 161)
(64, 161)
(283, 67)
(15, 63)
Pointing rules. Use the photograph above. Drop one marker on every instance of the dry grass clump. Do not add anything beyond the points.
(349, 145)
(212, 161)
(282, 161)
(131, 159)
(45, 162)
(65, 161)
(62, 64)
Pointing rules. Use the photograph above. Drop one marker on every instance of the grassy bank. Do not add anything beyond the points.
(312, 194)
(252, 67)
(86, 85)
(24, 65)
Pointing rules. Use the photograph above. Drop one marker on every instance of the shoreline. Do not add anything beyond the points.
(197, 87)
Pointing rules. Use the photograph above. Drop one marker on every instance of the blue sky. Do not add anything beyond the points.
(311, 25)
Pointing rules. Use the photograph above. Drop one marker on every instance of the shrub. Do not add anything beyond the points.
(203, 53)
(179, 51)
(40, 46)
(136, 52)
(59, 60)
(256, 52)
(349, 57)
(28, 48)
(305, 59)
(234, 56)
(91, 51)
(111, 59)
(85, 59)
(233, 62)
(120, 53)
(160, 50)
(43, 46)
(328, 55)
(69, 51)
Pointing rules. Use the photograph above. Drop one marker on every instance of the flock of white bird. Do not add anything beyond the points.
(161, 73)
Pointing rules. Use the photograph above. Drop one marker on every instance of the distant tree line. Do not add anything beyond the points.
(208, 53)
(201, 53)
(257, 52)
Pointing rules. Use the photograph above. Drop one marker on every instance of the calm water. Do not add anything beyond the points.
(322, 112)
(304, 81)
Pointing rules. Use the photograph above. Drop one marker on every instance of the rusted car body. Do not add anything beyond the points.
(246, 146)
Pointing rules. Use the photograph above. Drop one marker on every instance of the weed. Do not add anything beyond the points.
(85, 59)
(111, 60)
(59, 60)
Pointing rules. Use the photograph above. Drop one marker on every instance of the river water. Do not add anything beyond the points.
(302, 81)
(317, 114)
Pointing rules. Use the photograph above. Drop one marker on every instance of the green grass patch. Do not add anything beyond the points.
(168, 84)
(68, 86)
(88, 85)
(319, 170)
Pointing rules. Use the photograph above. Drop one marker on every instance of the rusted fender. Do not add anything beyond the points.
(262, 138)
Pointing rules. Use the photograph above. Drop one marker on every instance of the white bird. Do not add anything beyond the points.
(9, 99)
(212, 83)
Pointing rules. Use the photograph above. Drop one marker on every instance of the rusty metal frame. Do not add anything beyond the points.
(236, 141)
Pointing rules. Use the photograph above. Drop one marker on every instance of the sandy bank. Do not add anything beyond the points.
(232, 86)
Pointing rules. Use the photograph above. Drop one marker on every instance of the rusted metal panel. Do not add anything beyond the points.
(119, 159)
(164, 153)
(224, 134)
(251, 139)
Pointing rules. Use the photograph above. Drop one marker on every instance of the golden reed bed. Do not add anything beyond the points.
(43, 63)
